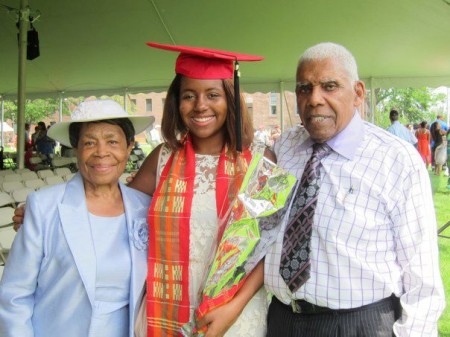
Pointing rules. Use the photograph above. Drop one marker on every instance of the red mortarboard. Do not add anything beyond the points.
(205, 63)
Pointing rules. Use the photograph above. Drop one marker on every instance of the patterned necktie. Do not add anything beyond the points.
(295, 264)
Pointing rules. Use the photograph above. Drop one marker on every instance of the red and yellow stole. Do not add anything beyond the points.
(169, 228)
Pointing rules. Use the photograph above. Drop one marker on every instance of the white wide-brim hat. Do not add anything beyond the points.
(97, 110)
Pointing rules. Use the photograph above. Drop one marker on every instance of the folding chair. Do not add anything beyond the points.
(69, 152)
(7, 232)
(12, 177)
(61, 161)
(6, 199)
(139, 153)
(7, 172)
(22, 170)
(20, 195)
(9, 186)
(35, 160)
(34, 183)
(62, 171)
(440, 230)
(29, 175)
(45, 173)
(69, 176)
(53, 180)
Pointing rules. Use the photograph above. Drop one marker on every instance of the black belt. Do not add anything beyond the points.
(303, 307)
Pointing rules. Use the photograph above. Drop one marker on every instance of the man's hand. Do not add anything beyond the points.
(19, 214)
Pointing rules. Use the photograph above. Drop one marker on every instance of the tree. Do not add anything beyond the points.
(43, 109)
(36, 110)
(414, 105)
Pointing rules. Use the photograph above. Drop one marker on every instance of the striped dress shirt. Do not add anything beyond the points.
(374, 230)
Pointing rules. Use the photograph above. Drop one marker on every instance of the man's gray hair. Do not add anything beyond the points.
(330, 50)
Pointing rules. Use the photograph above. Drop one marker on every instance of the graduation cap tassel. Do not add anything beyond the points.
(237, 100)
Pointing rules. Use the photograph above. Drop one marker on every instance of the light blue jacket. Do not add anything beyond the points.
(48, 285)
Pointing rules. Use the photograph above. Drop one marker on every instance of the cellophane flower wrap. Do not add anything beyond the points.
(252, 227)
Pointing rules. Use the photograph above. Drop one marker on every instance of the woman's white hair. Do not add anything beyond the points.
(330, 50)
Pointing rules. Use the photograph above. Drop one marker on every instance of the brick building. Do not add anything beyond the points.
(264, 108)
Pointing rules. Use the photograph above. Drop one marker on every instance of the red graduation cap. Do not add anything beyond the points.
(205, 63)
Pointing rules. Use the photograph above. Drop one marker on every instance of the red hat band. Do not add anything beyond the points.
(203, 68)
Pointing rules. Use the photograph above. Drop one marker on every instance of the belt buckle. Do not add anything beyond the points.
(295, 307)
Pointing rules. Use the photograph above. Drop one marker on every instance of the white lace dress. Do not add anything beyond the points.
(203, 238)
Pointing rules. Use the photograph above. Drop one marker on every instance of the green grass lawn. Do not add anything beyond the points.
(441, 197)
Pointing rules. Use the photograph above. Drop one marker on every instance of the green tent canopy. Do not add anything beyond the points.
(98, 46)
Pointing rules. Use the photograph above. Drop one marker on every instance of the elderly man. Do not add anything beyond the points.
(357, 252)
(398, 129)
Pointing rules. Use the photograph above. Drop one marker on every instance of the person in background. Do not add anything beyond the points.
(363, 260)
(410, 127)
(34, 136)
(53, 142)
(423, 143)
(440, 120)
(433, 134)
(27, 136)
(261, 136)
(44, 144)
(28, 164)
(77, 266)
(275, 133)
(399, 130)
(440, 152)
(447, 169)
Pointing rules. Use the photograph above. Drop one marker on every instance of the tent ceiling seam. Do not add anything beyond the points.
(162, 22)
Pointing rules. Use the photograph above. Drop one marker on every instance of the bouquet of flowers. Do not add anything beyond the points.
(252, 227)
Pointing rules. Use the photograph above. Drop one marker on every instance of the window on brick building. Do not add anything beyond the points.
(133, 102)
(148, 105)
(273, 103)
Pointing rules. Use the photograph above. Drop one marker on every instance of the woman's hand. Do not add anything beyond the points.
(219, 320)
(19, 214)
(131, 177)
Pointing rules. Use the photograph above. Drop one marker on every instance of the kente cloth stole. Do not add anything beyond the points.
(169, 229)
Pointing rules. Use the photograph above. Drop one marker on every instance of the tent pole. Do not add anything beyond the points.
(60, 105)
(3, 111)
(372, 101)
(125, 105)
(23, 31)
(281, 106)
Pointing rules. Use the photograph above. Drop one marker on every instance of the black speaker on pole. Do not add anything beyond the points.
(33, 44)
(32, 41)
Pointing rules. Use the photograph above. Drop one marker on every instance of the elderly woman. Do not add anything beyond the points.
(78, 265)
